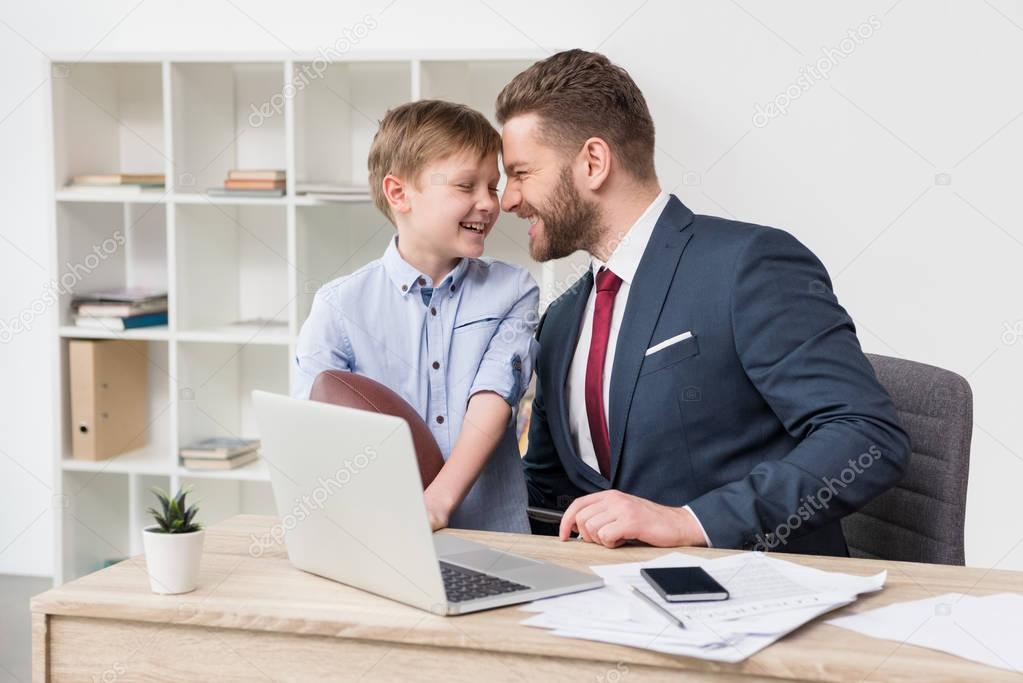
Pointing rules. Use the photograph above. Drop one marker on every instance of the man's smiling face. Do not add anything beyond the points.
(541, 188)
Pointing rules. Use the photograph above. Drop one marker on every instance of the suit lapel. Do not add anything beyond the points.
(568, 321)
(647, 292)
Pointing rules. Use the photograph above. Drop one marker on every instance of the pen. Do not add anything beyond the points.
(650, 601)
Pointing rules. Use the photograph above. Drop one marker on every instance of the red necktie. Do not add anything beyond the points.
(607, 287)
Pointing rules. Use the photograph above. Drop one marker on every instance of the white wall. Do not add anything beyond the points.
(901, 170)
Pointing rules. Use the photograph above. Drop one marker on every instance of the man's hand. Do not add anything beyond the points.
(610, 518)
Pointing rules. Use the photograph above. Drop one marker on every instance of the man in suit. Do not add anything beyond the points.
(709, 390)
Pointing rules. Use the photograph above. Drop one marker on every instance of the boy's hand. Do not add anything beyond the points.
(438, 510)
(486, 419)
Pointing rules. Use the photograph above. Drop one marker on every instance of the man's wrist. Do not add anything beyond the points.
(691, 531)
(698, 533)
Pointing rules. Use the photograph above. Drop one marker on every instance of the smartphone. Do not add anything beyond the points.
(684, 584)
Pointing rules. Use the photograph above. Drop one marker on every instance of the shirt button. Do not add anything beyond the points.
(440, 419)
(436, 365)
(452, 288)
(433, 311)
(422, 281)
(404, 288)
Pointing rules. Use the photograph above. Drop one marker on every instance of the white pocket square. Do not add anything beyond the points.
(668, 342)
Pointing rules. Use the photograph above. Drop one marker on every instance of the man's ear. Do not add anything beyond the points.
(394, 193)
(595, 162)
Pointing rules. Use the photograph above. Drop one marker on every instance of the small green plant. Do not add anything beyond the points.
(175, 517)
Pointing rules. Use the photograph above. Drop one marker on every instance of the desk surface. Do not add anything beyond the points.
(265, 594)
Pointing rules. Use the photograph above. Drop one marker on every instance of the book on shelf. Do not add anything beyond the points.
(242, 174)
(121, 309)
(218, 448)
(116, 184)
(117, 179)
(221, 463)
(251, 183)
(112, 190)
(254, 184)
(130, 295)
(227, 192)
(116, 309)
(119, 324)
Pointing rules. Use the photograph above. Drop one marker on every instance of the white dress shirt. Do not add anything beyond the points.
(624, 262)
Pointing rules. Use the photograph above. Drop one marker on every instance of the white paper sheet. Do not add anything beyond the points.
(985, 629)
(769, 598)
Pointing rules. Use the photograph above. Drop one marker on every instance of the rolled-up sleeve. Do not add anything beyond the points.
(322, 344)
(507, 364)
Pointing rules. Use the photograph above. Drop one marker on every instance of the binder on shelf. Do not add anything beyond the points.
(108, 382)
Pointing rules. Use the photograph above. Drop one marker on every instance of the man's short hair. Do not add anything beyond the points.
(416, 134)
(578, 95)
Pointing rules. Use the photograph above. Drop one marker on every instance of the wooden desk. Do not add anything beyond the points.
(257, 618)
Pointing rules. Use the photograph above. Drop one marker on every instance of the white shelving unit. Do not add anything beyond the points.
(222, 259)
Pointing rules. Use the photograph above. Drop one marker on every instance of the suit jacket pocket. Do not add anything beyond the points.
(669, 356)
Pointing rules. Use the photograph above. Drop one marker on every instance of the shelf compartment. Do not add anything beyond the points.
(232, 266)
(95, 521)
(108, 245)
(108, 118)
(150, 450)
(225, 116)
(338, 108)
(215, 382)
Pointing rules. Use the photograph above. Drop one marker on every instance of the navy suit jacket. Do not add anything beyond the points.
(769, 422)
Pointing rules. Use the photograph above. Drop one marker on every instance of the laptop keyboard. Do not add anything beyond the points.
(463, 584)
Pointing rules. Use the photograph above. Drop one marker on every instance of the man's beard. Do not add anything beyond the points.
(569, 222)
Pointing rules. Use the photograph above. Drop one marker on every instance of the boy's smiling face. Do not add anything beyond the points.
(451, 209)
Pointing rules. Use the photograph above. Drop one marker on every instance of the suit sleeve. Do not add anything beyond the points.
(798, 347)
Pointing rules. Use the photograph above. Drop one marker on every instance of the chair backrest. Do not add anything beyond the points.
(921, 519)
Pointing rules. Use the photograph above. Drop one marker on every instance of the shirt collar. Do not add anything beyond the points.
(624, 260)
(408, 279)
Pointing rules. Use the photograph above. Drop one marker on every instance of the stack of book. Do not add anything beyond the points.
(241, 183)
(332, 192)
(121, 309)
(116, 183)
(219, 453)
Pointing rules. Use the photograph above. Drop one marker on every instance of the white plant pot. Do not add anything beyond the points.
(172, 560)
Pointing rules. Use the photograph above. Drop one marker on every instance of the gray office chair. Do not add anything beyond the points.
(922, 518)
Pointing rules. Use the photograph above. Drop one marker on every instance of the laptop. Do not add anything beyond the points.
(350, 501)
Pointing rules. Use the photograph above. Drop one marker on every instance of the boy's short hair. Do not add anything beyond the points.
(416, 134)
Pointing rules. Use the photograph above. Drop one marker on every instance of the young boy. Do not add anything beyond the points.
(450, 332)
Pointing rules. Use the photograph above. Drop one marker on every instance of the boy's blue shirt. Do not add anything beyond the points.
(435, 344)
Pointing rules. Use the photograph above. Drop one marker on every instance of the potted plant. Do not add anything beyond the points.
(173, 545)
